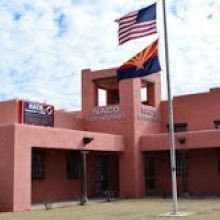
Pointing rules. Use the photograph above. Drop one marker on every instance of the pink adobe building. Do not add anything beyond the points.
(121, 146)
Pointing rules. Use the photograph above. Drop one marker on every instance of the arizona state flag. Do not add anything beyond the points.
(144, 63)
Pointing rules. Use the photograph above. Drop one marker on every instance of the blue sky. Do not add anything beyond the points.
(45, 44)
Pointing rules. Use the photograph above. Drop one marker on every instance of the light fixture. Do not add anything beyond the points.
(181, 140)
(87, 140)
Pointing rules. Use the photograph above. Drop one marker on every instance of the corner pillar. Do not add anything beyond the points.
(84, 183)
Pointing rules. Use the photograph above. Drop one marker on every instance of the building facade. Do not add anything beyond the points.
(119, 143)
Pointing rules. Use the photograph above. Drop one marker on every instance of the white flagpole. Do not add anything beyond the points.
(170, 112)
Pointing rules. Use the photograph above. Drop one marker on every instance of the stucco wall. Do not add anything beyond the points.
(6, 167)
(16, 143)
(9, 112)
(130, 126)
(68, 120)
(203, 176)
(193, 140)
(198, 110)
(55, 186)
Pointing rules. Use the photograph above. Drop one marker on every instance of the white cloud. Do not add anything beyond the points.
(45, 44)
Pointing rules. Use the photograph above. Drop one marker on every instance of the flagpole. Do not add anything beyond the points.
(170, 113)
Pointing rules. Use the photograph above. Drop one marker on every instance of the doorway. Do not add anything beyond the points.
(102, 175)
(149, 166)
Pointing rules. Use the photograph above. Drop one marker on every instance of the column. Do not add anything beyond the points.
(84, 183)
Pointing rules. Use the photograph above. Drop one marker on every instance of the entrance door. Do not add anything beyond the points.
(150, 175)
(102, 175)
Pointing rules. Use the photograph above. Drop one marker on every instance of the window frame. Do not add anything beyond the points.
(179, 127)
(217, 124)
(111, 95)
(37, 165)
(72, 165)
(149, 86)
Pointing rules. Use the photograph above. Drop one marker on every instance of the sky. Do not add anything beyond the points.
(45, 44)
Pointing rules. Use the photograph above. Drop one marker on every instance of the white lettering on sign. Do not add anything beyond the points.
(106, 110)
(148, 115)
(149, 112)
(106, 113)
(38, 108)
(35, 106)
(106, 117)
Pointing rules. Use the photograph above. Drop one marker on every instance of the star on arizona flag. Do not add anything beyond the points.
(144, 63)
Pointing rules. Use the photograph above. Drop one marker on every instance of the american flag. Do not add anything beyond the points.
(137, 24)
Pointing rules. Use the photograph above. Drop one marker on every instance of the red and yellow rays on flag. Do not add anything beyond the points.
(141, 58)
(144, 63)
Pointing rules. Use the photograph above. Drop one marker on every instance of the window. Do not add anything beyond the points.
(144, 95)
(102, 97)
(147, 93)
(107, 90)
(217, 124)
(72, 165)
(37, 165)
(179, 127)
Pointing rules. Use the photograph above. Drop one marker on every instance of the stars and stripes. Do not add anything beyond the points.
(137, 24)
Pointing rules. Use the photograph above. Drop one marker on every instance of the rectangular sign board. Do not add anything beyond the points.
(38, 114)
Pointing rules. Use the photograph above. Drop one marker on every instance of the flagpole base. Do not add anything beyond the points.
(175, 214)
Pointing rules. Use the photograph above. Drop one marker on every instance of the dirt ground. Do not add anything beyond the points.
(125, 210)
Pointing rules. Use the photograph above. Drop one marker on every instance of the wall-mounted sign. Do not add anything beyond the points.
(148, 115)
(106, 110)
(105, 113)
(38, 114)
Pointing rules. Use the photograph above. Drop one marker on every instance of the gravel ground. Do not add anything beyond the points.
(125, 210)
